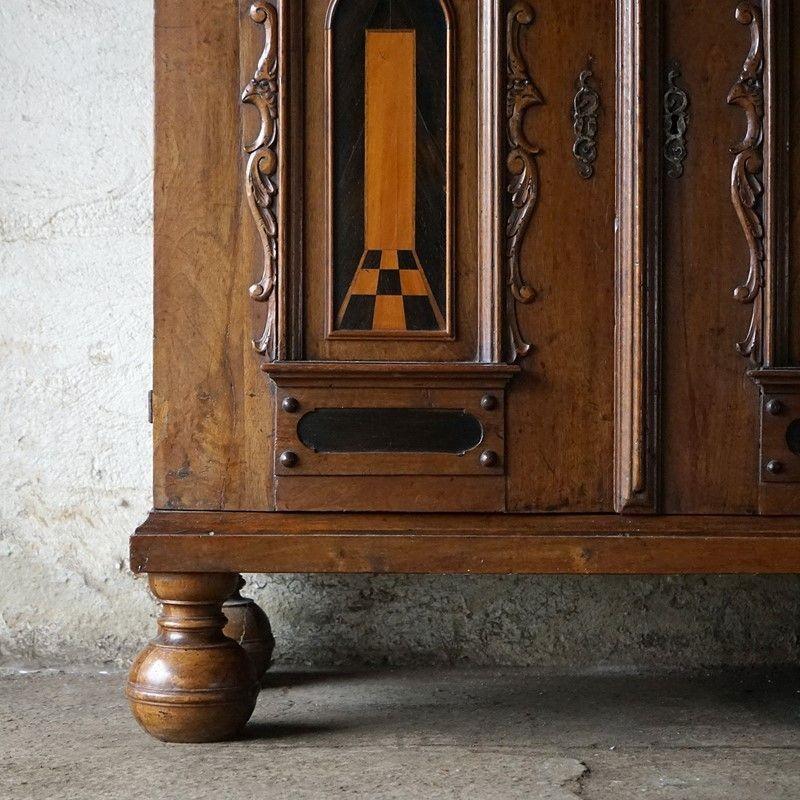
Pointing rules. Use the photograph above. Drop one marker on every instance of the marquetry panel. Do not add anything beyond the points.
(389, 153)
(390, 179)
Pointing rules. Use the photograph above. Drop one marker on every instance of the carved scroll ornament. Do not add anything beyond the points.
(262, 92)
(676, 122)
(585, 108)
(746, 175)
(523, 172)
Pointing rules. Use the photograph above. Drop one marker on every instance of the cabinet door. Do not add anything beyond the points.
(453, 178)
(560, 434)
(710, 422)
(390, 265)
(728, 193)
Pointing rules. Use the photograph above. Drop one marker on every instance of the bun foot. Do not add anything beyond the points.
(192, 683)
(249, 626)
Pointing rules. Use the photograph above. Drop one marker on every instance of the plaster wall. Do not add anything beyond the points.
(75, 337)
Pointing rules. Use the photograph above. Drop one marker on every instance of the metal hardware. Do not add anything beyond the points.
(774, 467)
(488, 402)
(290, 405)
(774, 407)
(489, 458)
(676, 121)
(288, 459)
(585, 108)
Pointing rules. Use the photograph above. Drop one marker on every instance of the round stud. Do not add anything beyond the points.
(290, 405)
(774, 467)
(774, 407)
(288, 459)
(488, 402)
(489, 458)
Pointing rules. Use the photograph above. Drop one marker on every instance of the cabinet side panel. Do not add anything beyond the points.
(559, 433)
(710, 430)
(211, 407)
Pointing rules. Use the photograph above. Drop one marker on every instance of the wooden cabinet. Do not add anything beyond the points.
(522, 299)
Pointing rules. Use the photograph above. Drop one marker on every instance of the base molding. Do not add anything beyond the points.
(464, 543)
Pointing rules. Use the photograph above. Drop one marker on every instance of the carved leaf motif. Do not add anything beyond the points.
(748, 163)
(523, 172)
(262, 92)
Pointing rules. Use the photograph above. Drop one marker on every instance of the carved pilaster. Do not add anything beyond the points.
(262, 167)
(523, 173)
(747, 173)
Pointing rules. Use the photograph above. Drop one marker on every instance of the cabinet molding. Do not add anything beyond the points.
(491, 171)
(747, 185)
(466, 543)
(637, 309)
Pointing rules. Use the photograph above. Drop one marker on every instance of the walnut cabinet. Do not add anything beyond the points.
(479, 286)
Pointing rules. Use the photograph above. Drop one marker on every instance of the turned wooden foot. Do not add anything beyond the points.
(192, 683)
(249, 626)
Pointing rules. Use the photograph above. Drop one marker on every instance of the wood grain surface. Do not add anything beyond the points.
(697, 412)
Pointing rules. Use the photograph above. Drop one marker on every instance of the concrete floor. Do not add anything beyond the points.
(419, 734)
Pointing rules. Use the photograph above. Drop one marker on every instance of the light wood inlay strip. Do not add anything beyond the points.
(390, 169)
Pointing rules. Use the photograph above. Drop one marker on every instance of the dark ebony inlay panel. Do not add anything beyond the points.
(389, 430)
(793, 437)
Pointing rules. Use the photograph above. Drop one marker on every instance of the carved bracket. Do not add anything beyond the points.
(262, 92)
(523, 173)
(676, 122)
(746, 175)
(585, 108)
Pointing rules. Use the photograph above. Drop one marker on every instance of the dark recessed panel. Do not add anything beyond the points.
(793, 437)
(389, 430)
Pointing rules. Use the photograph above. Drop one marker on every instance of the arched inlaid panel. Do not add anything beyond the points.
(389, 102)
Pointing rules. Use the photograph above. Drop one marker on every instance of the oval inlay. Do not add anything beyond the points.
(793, 437)
(389, 430)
